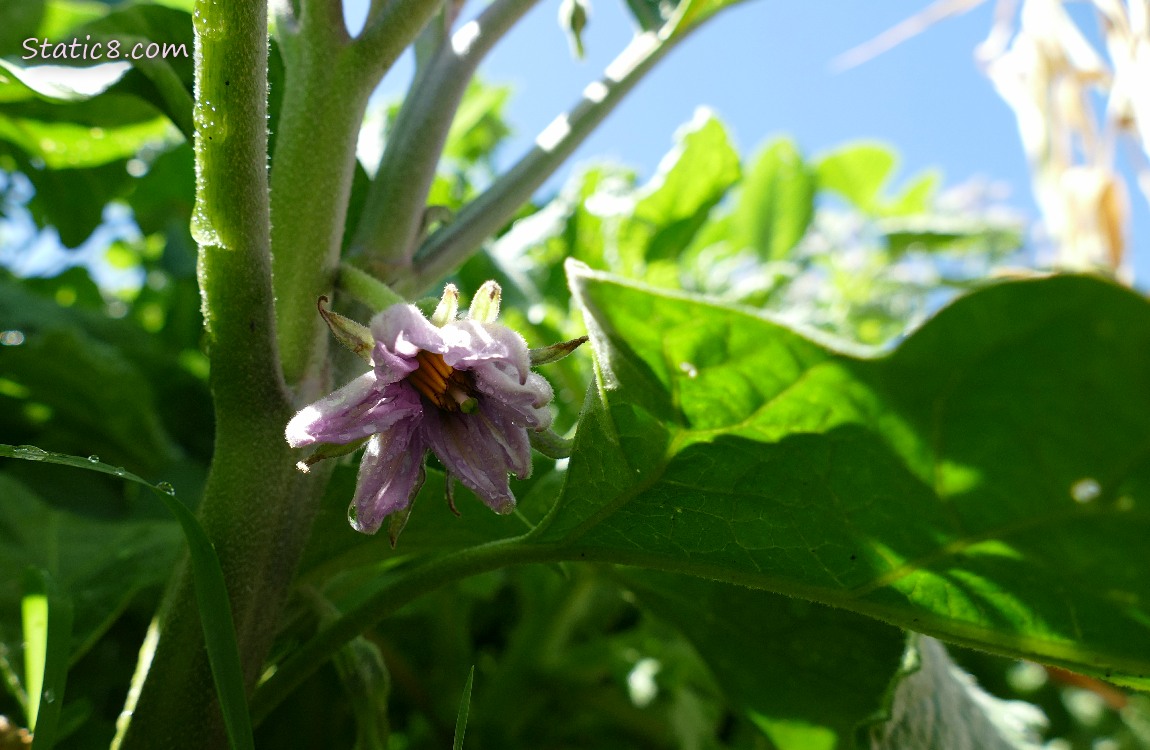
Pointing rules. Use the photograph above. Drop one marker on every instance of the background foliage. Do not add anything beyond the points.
(817, 428)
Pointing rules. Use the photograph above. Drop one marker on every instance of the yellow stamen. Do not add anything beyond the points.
(434, 361)
(447, 388)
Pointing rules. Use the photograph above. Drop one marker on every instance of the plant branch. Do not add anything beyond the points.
(366, 288)
(392, 596)
(328, 81)
(452, 244)
(391, 27)
(388, 233)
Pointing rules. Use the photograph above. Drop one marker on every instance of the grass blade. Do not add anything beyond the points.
(464, 709)
(47, 624)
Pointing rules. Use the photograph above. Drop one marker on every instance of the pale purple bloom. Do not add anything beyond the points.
(464, 391)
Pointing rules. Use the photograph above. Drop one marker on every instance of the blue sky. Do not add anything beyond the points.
(765, 68)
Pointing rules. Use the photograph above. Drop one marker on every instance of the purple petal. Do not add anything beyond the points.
(389, 475)
(469, 342)
(499, 383)
(391, 367)
(353, 412)
(403, 330)
(472, 452)
(510, 437)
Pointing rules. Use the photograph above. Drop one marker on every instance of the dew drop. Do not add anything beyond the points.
(352, 518)
(31, 453)
(688, 369)
(120, 471)
(11, 338)
(166, 488)
(1085, 490)
(202, 230)
(49, 696)
(94, 458)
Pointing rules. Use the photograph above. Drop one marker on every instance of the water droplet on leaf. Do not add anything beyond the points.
(94, 458)
(31, 453)
(1085, 490)
(166, 488)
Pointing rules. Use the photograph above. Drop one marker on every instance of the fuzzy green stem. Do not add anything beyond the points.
(448, 247)
(173, 703)
(328, 81)
(366, 288)
(388, 233)
(403, 589)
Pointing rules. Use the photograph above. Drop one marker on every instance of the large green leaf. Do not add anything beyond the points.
(165, 78)
(67, 145)
(18, 21)
(808, 676)
(986, 482)
(98, 396)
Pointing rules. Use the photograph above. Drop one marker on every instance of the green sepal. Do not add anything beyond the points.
(551, 444)
(545, 355)
(356, 337)
(329, 450)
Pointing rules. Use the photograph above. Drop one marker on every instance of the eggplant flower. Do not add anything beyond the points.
(462, 389)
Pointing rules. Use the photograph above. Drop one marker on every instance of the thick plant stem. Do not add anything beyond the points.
(256, 507)
(388, 233)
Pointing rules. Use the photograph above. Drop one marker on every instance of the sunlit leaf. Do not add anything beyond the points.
(986, 482)
(857, 172)
(776, 202)
(671, 208)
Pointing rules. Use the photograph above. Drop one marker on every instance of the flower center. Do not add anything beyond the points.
(443, 385)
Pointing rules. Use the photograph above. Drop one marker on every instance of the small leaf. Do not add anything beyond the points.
(675, 204)
(548, 354)
(573, 19)
(857, 172)
(353, 335)
(776, 202)
(934, 234)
